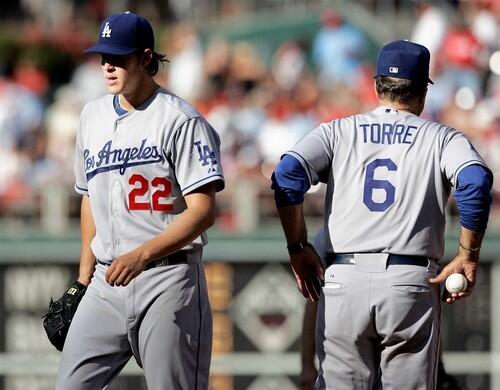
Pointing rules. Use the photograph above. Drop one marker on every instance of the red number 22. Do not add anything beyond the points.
(164, 190)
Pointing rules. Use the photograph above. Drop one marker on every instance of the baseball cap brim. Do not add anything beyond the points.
(110, 49)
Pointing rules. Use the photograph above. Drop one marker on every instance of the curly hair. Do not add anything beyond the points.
(399, 90)
(156, 60)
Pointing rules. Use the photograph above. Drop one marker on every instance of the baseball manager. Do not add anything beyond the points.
(389, 174)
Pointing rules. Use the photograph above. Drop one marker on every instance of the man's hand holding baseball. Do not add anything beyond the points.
(465, 262)
(461, 264)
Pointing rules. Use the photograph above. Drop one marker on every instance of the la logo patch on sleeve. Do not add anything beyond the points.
(207, 156)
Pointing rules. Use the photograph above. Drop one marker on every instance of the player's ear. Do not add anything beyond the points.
(147, 57)
(375, 88)
(421, 101)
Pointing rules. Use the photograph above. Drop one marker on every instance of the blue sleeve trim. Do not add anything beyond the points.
(80, 190)
(465, 165)
(289, 182)
(219, 185)
(303, 163)
(473, 196)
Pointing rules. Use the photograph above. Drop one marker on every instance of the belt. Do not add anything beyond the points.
(176, 258)
(348, 258)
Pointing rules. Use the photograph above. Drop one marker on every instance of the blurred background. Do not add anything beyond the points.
(264, 73)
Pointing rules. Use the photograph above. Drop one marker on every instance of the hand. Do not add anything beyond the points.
(123, 269)
(309, 273)
(462, 265)
(307, 377)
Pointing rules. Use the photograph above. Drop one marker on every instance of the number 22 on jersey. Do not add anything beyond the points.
(371, 184)
(162, 189)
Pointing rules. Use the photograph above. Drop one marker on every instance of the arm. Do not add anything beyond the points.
(198, 217)
(473, 199)
(293, 223)
(88, 231)
(290, 182)
(308, 374)
(306, 264)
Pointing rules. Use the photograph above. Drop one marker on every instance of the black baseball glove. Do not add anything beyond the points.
(58, 319)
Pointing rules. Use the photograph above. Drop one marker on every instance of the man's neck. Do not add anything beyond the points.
(134, 99)
(413, 108)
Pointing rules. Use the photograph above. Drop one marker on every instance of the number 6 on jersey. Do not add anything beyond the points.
(371, 183)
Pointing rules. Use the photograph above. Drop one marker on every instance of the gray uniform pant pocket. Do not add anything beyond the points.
(372, 326)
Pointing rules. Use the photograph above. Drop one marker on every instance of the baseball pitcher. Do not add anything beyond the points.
(147, 167)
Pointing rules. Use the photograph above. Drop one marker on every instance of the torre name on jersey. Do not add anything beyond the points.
(387, 133)
(108, 159)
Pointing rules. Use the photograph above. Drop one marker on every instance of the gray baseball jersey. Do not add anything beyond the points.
(387, 172)
(136, 167)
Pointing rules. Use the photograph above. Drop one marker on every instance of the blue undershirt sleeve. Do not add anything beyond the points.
(473, 196)
(289, 182)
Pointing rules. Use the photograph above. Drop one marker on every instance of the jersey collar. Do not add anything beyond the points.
(116, 105)
(121, 111)
(389, 110)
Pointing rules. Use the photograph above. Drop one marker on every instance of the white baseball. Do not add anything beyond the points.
(456, 283)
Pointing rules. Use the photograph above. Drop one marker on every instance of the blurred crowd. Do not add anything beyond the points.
(260, 106)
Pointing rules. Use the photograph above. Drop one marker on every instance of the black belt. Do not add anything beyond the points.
(348, 258)
(173, 259)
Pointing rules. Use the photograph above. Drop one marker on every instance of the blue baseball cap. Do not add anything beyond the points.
(122, 34)
(404, 60)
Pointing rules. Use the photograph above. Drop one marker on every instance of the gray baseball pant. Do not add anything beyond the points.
(162, 318)
(379, 326)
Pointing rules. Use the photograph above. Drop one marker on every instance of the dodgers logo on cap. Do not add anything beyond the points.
(405, 60)
(123, 34)
(106, 31)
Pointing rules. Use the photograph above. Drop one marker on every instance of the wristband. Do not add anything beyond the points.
(295, 249)
(469, 249)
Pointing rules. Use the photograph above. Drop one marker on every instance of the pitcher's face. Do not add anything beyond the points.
(122, 74)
